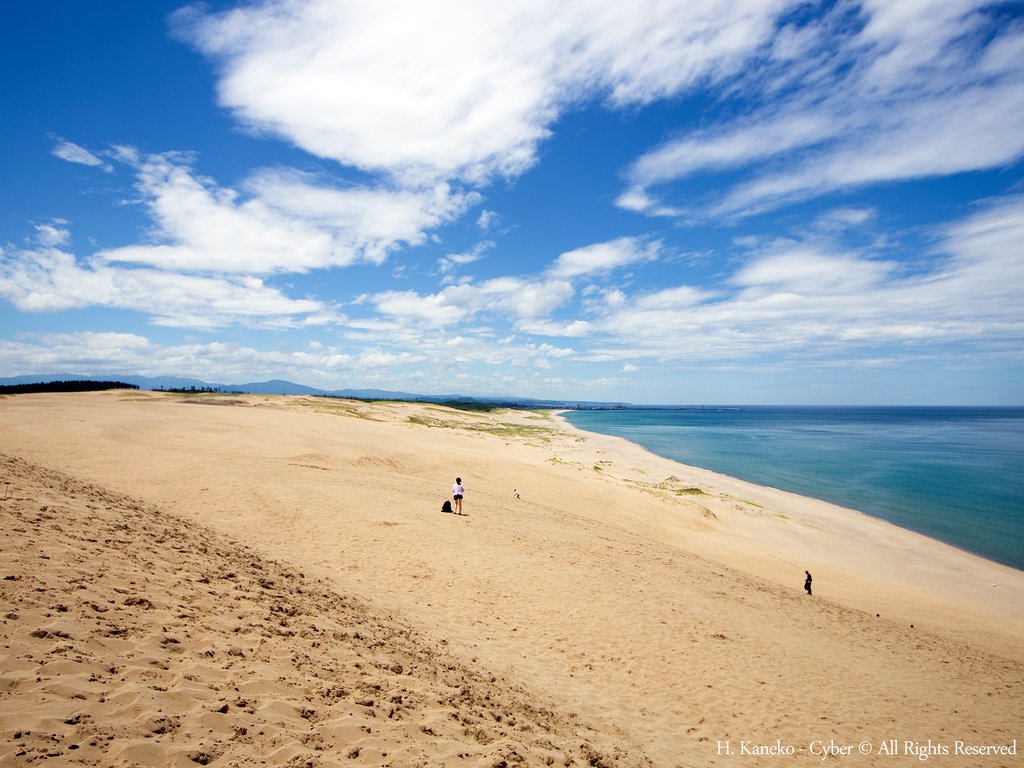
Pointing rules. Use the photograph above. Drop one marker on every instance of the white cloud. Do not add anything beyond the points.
(375, 358)
(286, 223)
(937, 136)
(920, 89)
(522, 298)
(502, 297)
(985, 272)
(789, 301)
(614, 297)
(604, 257)
(678, 297)
(487, 220)
(55, 234)
(456, 89)
(795, 299)
(366, 222)
(87, 352)
(713, 149)
(635, 199)
(52, 280)
(120, 353)
(72, 153)
(559, 328)
(845, 218)
(451, 262)
(802, 270)
(433, 367)
(411, 308)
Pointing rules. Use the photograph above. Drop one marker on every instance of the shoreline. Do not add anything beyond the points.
(609, 594)
(906, 563)
(1000, 545)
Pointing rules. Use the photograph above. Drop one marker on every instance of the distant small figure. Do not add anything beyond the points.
(457, 491)
(447, 506)
(807, 582)
(516, 492)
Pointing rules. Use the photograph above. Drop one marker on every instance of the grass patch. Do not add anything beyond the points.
(336, 408)
(446, 414)
(184, 394)
(688, 492)
(520, 430)
(501, 429)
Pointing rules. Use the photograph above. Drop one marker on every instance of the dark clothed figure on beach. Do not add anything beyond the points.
(807, 582)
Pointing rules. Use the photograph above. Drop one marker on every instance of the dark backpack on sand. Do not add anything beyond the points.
(446, 507)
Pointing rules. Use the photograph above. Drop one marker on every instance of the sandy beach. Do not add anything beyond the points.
(268, 580)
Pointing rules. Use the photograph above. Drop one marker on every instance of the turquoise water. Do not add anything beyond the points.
(955, 474)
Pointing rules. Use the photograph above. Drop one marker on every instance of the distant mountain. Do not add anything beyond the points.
(373, 394)
(273, 387)
(282, 387)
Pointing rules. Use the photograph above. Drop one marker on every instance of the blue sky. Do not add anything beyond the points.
(755, 201)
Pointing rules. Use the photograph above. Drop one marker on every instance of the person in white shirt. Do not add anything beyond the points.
(457, 491)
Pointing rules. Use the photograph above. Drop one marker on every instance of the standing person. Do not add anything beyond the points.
(807, 582)
(457, 491)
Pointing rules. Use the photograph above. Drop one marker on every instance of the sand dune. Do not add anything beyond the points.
(134, 637)
(272, 582)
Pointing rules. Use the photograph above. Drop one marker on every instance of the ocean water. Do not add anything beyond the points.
(954, 474)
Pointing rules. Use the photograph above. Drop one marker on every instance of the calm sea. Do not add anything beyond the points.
(955, 474)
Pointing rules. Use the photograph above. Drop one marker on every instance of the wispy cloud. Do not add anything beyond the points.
(281, 222)
(896, 91)
(788, 302)
(526, 301)
(442, 365)
(452, 261)
(73, 153)
(120, 353)
(501, 298)
(49, 279)
(53, 234)
(488, 219)
(601, 258)
(802, 300)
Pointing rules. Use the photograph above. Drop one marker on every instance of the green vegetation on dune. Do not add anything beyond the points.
(335, 407)
(500, 428)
